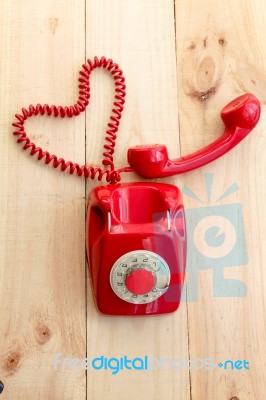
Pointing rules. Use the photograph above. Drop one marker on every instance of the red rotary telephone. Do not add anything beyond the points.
(136, 234)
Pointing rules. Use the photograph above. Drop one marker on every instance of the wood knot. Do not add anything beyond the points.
(206, 73)
(11, 361)
(43, 333)
(203, 96)
(192, 46)
(234, 398)
(1, 386)
(53, 24)
(222, 42)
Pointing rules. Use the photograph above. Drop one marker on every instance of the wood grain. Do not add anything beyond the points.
(220, 55)
(183, 61)
(42, 275)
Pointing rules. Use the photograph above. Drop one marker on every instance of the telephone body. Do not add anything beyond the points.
(136, 242)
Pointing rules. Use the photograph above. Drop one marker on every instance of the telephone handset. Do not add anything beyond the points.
(136, 233)
(240, 116)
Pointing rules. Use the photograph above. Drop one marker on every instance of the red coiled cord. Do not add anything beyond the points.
(111, 175)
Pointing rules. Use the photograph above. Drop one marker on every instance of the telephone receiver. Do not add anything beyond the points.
(240, 116)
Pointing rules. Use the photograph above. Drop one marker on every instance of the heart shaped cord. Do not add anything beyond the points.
(111, 175)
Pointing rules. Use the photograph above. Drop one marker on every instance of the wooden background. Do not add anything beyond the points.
(183, 61)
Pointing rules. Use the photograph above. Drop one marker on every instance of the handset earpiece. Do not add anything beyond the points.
(240, 116)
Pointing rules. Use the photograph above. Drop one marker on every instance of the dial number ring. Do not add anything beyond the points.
(140, 260)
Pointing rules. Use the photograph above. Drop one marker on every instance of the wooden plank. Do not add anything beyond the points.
(221, 53)
(139, 36)
(42, 274)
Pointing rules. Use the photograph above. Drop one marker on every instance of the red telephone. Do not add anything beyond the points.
(136, 236)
